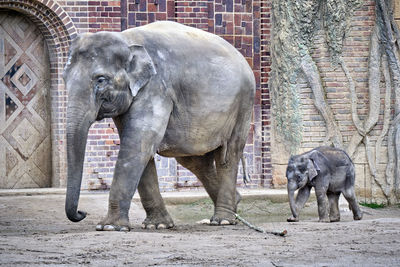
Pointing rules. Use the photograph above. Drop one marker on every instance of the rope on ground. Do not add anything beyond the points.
(258, 229)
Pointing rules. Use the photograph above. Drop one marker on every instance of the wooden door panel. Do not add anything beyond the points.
(25, 144)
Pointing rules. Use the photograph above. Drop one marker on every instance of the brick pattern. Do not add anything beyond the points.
(92, 16)
(142, 12)
(104, 15)
(192, 13)
(265, 103)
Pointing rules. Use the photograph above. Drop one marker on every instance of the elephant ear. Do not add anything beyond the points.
(314, 164)
(140, 68)
(312, 171)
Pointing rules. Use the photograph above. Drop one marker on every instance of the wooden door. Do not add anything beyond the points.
(25, 146)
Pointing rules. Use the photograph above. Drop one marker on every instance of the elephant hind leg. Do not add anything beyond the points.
(227, 159)
(157, 215)
(228, 198)
(204, 169)
(334, 213)
(226, 162)
(350, 196)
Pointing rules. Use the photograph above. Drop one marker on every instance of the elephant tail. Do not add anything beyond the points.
(350, 176)
(246, 177)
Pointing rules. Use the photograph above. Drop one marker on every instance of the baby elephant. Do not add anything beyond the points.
(331, 172)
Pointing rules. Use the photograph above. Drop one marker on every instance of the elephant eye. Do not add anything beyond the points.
(101, 80)
(100, 83)
(302, 168)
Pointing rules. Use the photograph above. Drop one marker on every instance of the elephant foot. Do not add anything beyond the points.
(324, 220)
(158, 222)
(204, 221)
(358, 216)
(337, 219)
(223, 218)
(292, 219)
(108, 225)
(216, 222)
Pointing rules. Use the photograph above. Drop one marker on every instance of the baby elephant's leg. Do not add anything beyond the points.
(351, 198)
(322, 205)
(334, 213)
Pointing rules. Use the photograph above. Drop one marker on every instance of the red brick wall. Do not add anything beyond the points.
(263, 103)
(92, 16)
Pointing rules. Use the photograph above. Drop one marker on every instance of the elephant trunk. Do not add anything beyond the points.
(291, 187)
(78, 124)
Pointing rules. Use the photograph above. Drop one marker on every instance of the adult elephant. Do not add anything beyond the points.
(172, 90)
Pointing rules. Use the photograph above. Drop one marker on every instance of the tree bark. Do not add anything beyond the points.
(374, 94)
(311, 73)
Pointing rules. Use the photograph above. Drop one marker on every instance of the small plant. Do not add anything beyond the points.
(372, 205)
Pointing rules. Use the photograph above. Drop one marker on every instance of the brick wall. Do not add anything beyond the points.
(263, 103)
(242, 23)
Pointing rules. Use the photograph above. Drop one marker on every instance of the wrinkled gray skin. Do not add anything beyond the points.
(331, 172)
(172, 90)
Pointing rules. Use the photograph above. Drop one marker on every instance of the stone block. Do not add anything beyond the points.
(365, 186)
(279, 176)
(279, 154)
(360, 156)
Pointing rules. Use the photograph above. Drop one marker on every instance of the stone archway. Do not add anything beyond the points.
(25, 147)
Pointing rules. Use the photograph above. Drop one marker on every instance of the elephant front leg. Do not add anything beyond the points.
(322, 201)
(140, 134)
(334, 213)
(126, 178)
(157, 215)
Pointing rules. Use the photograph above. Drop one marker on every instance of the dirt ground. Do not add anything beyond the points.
(35, 231)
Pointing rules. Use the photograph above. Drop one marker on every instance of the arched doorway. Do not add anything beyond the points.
(25, 139)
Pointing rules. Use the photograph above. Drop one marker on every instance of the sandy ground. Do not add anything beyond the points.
(35, 231)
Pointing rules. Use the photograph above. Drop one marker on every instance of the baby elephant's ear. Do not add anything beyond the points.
(140, 68)
(314, 162)
(312, 171)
